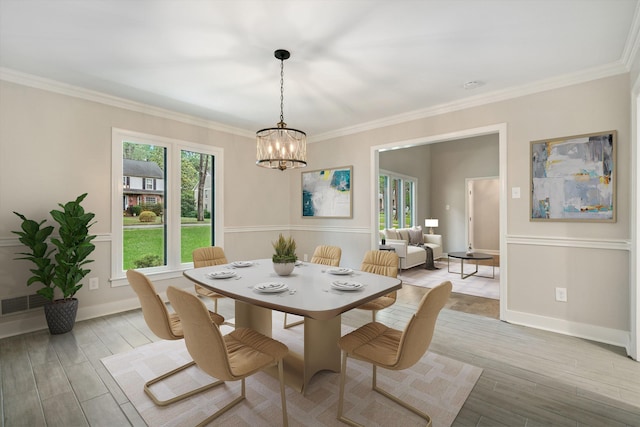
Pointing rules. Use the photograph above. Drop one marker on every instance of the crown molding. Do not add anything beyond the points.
(618, 67)
(633, 40)
(583, 76)
(36, 82)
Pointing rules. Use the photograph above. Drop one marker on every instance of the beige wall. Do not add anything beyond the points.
(452, 162)
(530, 298)
(414, 162)
(53, 147)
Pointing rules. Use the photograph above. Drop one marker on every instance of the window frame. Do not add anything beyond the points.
(391, 176)
(174, 147)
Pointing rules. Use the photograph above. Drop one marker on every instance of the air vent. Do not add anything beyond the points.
(24, 303)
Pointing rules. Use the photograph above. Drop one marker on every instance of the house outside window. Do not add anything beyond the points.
(157, 176)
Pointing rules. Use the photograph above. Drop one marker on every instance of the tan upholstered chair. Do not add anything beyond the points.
(392, 349)
(326, 255)
(164, 325)
(384, 263)
(231, 357)
(207, 257)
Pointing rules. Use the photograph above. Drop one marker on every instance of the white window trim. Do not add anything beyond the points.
(174, 147)
(414, 196)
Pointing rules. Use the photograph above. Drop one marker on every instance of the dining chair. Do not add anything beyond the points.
(166, 326)
(393, 349)
(231, 357)
(207, 257)
(384, 263)
(325, 255)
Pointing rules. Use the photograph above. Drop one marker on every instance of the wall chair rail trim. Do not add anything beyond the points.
(569, 242)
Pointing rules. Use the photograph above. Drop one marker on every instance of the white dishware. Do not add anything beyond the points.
(222, 274)
(346, 286)
(242, 264)
(270, 287)
(340, 271)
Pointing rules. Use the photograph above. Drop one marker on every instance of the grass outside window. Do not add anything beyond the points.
(144, 240)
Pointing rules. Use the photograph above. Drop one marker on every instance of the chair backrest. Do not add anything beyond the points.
(154, 309)
(327, 255)
(203, 339)
(208, 256)
(384, 263)
(418, 333)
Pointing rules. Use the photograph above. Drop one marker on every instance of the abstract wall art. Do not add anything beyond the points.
(574, 178)
(327, 193)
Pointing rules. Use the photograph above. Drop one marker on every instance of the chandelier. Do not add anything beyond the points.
(281, 147)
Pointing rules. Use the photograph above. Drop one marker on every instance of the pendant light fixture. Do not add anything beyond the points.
(281, 147)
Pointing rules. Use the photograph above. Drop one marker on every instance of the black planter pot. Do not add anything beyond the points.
(61, 315)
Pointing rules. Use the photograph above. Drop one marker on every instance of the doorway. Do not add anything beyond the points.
(455, 234)
(483, 214)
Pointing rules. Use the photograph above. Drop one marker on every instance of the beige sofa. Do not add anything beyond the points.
(404, 241)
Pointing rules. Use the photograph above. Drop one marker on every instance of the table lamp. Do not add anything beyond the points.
(430, 223)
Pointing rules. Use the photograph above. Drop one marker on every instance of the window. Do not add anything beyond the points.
(397, 200)
(176, 184)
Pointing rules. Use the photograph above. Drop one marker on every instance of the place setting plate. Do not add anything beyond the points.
(343, 285)
(271, 287)
(222, 274)
(241, 264)
(341, 271)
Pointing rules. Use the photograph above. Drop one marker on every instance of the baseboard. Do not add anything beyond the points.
(35, 321)
(580, 330)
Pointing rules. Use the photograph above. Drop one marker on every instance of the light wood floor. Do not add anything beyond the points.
(530, 377)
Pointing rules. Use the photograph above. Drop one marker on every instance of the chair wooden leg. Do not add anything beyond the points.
(300, 322)
(148, 384)
(228, 406)
(215, 305)
(398, 401)
(285, 417)
(343, 378)
(373, 315)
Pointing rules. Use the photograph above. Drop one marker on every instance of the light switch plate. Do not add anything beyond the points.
(515, 192)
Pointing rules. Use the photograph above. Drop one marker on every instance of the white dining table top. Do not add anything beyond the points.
(309, 287)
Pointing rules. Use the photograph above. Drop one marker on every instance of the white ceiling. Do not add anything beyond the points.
(354, 64)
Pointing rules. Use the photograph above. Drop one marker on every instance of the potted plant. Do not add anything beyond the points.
(60, 267)
(284, 259)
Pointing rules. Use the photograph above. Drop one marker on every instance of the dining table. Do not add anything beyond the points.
(319, 293)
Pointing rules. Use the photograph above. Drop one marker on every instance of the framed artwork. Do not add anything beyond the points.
(574, 178)
(327, 193)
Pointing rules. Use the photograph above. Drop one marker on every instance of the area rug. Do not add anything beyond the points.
(474, 285)
(437, 384)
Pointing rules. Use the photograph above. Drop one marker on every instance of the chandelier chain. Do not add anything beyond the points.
(282, 90)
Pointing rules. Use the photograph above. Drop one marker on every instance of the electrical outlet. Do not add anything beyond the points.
(561, 294)
(94, 283)
(306, 257)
